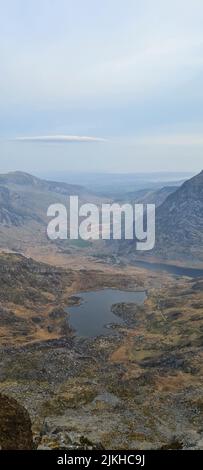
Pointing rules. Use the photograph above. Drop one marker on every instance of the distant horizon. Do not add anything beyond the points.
(109, 173)
(112, 183)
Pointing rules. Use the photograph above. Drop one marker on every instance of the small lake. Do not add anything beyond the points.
(92, 316)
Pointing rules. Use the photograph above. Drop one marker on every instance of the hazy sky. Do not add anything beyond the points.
(125, 77)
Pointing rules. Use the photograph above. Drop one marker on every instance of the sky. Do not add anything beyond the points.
(107, 86)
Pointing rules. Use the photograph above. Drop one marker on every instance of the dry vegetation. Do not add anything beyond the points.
(139, 389)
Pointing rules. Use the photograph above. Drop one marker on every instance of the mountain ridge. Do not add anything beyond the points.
(26, 179)
(179, 226)
(24, 200)
(180, 220)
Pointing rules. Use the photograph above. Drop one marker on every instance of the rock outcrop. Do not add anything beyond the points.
(15, 425)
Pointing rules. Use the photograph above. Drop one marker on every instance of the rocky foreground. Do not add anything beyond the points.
(141, 388)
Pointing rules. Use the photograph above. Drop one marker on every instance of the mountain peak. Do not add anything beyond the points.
(18, 177)
(21, 178)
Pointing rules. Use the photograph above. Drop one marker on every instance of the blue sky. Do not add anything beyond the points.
(125, 73)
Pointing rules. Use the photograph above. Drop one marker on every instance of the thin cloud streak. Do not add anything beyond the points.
(60, 138)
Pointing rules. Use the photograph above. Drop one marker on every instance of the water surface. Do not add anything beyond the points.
(171, 268)
(93, 315)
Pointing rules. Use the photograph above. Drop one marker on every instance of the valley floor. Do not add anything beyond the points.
(141, 388)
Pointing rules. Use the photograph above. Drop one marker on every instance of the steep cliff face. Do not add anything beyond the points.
(15, 425)
(179, 225)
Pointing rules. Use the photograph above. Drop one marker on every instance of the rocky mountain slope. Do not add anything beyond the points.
(9, 215)
(179, 226)
(179, 222)
(140, 388)
(24, 200)
(149, 196)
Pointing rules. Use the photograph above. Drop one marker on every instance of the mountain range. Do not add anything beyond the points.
(24, 200)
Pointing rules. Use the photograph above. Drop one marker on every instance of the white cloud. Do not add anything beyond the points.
(59, 138)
